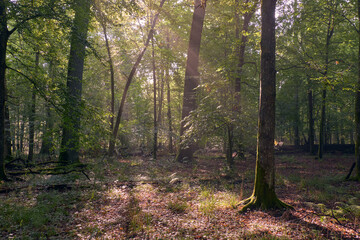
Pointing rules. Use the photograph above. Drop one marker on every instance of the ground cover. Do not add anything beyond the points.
(138, 198)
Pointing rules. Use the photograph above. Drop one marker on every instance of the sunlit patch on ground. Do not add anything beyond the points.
(142, 199)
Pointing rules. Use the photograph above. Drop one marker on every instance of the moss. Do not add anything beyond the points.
(264, 196)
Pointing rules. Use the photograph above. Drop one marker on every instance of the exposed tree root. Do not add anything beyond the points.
(253, 203)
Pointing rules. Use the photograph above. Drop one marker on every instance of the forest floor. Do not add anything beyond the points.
(138, 198)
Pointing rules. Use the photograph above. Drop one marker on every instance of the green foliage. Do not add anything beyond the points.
(208, 202)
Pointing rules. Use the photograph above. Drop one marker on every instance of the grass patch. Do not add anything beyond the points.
(208, 206)
(228, 200)
(50, 209)
(177, 206)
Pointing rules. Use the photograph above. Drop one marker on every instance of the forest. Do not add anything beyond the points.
(180, 119)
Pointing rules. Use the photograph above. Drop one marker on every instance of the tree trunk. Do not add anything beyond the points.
(264, 196)
(330, 32)
(112, 77)
(22, 132)
(167, 78)
(357, 109)
(69, 152)
(240, 48)
(154, 151)
(242, 38)
(4, 36)
(192, 78)
(322, 125)
(47, 140)
(17, 133)
(128, 82)
(32, 114)
(7, 133)
(161, 100)
(229, 149)
(297, 117)
(337, 133)
(310, 119)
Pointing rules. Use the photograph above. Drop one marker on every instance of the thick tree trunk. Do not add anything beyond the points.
(32, 114)
(264, 195)
(69, 152)
(192, 78)
(4, 36)
(357, 109)
(128, 83)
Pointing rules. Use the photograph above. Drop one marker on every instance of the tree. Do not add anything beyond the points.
(241, 40)
(32, 114)
(102, 18)
(264, 195)
(357, 107)
(311, 134)
(4, 37)
(69, 152)
(129, 80)
(329, 34)
(192, 77)
(155, 137)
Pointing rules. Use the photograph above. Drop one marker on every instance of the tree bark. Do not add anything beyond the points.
(192, 78)
(128, 83)
(264, 196)
(4, 37)
(69, 152)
